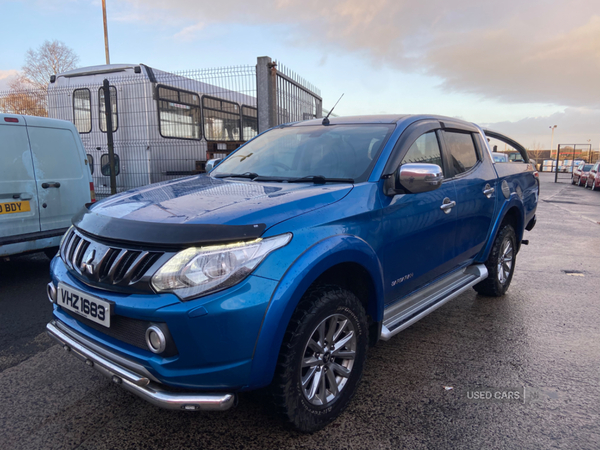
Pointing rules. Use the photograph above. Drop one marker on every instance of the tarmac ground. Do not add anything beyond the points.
(537, 349)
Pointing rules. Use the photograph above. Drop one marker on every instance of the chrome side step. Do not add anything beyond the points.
(404, 313)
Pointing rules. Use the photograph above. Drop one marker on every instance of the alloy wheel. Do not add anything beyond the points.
(328, 360)
(505, 261)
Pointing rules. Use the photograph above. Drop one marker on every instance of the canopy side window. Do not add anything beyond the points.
(249, 122)
(178, 113)
(221, 119)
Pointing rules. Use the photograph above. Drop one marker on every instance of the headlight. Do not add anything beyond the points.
(201, 270)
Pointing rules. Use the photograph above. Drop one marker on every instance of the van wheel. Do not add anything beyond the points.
(322, 356)
(51, 252)
(500, 264)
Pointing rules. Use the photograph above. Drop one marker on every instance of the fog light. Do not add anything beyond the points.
(155, 339)
(51, 291)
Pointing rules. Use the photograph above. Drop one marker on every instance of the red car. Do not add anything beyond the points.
(581, 173)
(593, 179)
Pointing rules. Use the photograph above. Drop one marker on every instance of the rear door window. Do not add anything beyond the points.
(82, 110)
(462, 151)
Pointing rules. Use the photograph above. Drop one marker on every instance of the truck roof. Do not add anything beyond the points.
(384, 118)
(92, 70)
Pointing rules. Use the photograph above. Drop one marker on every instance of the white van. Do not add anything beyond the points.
(44, 180)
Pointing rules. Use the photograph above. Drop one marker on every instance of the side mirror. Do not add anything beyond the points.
(212, 163)
(416, 178)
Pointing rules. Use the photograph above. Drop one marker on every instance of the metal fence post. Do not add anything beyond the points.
(109, 137)
(557, 159)
(266, 93)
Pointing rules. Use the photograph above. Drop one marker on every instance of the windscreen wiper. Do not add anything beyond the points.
(317, 179)
(250, 175)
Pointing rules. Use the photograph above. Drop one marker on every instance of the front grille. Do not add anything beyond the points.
(128, 330)
(105, 264)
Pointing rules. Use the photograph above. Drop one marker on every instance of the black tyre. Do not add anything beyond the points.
(322, 356)
(500, 264)
(572, 180)
(51, 252)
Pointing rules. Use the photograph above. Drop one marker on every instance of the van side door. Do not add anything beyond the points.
(63, 179)
(18, 194)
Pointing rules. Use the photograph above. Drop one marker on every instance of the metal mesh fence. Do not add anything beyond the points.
(297, 99)
(568, 157)
(164, 125)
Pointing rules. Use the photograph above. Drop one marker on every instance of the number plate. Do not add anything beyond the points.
(14, 207)
(88, 306)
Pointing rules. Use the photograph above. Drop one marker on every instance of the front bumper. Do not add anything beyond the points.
(135, 378)
(215, 335)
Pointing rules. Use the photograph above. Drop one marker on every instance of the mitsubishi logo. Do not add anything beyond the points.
(86, 263)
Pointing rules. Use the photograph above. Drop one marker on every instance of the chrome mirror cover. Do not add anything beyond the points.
(421, 177)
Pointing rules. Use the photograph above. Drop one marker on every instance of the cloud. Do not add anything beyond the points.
(6, 76)
(190, 33)
(574, 126)
(540, 51)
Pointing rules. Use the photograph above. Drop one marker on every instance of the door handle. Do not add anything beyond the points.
(488, 190)
(447, 205)
(49, 185)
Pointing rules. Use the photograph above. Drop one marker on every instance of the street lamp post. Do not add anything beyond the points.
(552, 139)
(589, 151)
(552, 145)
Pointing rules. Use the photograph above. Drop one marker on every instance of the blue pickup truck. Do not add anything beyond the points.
(283, 265)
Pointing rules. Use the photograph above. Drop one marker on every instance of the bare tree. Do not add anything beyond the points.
(28, 92)
(536, 151)
(49, 59)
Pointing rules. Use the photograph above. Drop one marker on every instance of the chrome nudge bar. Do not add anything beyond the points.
(138, 384)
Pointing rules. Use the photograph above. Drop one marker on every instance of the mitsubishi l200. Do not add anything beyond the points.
(283, 265)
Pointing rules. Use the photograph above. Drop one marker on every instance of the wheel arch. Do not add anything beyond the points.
(335, 259)
(512, 213)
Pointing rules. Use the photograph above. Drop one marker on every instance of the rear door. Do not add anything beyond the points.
(18, 194)
(62, 176)
(476, 190)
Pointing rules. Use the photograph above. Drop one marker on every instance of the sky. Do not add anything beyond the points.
(516, 66)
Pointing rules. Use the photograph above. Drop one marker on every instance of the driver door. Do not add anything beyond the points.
(418, 235)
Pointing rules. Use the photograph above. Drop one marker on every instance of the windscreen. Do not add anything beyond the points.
(334, 151)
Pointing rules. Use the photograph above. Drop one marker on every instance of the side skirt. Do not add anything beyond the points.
(404, 313)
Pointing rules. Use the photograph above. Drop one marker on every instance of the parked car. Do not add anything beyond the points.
(593, 178)
(44, 181)
(282, 266)
(581, 173)
(515, 157)
(500, 157)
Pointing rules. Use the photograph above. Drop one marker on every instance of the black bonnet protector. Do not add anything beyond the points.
(162, 234)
